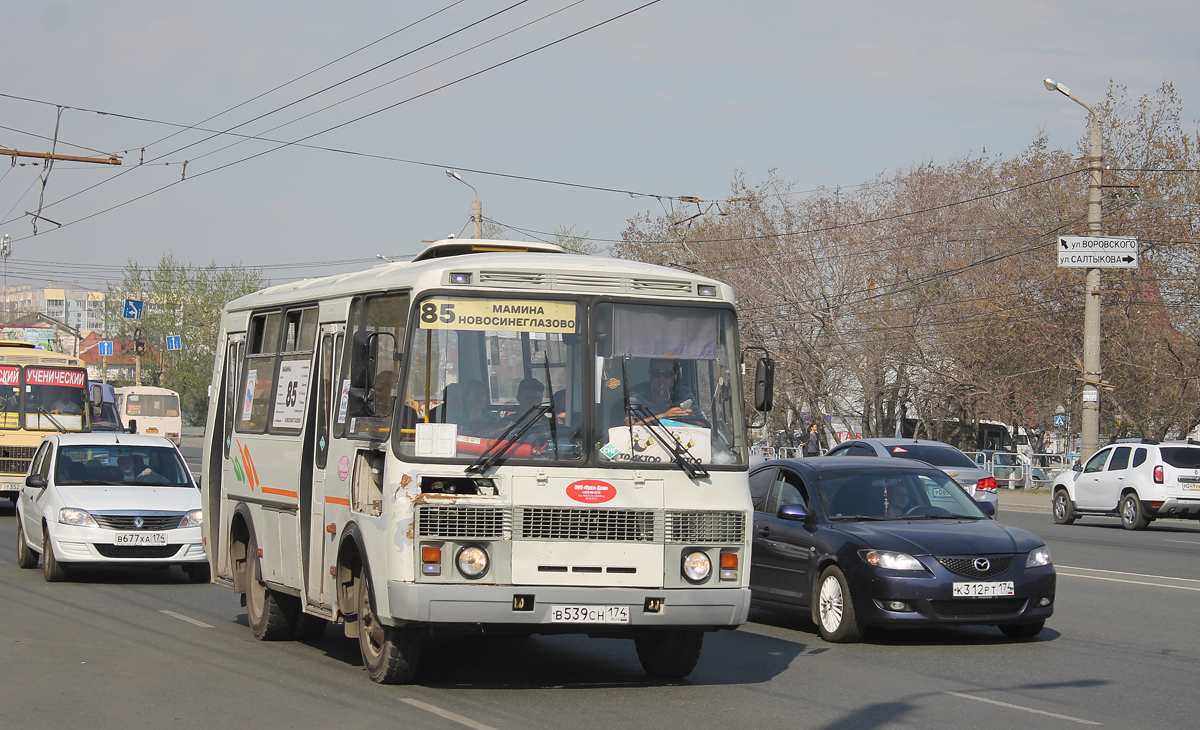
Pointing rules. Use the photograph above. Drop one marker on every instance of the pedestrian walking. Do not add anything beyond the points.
(812, 446)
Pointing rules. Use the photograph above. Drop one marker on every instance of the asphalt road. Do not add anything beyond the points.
(125, 648)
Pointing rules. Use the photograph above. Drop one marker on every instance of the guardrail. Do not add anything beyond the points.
(1018, 471)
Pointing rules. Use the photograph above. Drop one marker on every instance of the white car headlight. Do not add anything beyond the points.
(77, 517)
(195, 518)
(472, 561)
(891, 560)
(1038, 557)
(696, 566)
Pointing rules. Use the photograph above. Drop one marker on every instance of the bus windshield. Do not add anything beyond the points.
(494, 374)
(50, 399)
(667, 371)
(490, 375)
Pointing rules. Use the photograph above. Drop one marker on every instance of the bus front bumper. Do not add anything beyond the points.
(702, 608)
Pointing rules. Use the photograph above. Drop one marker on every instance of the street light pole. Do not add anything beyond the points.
(1090, 418)
(476, 205)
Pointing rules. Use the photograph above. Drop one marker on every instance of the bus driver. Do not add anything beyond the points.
(662, 394)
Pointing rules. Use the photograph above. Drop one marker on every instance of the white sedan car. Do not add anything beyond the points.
(109, 498)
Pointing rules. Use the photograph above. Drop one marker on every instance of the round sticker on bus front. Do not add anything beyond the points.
(591, 491)
(344, 468)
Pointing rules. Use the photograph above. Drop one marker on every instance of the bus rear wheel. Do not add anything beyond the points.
(390, 653)
(668, 653)
(269, 613)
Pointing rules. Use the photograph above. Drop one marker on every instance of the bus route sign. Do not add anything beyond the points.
(1097, 252)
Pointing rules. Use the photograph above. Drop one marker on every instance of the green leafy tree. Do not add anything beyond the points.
(185, 300)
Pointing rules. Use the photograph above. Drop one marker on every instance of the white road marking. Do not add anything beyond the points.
(1133, 582)
(1025, 709)
(1185, 542)
(189, 619)
(446, 714)
(1139, 575)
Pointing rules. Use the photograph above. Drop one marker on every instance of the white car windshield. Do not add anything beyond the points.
(120, 464)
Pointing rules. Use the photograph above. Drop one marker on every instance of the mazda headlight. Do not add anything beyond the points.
(1038, 557)
(696, 566)
(195, 518)
(76, 517)
(472, 561)
(891, 560)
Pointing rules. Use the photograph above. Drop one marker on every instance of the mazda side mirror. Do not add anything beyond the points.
(797, 513)
(988, 508)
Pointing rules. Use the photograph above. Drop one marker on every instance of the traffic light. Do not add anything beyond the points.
(139, 347)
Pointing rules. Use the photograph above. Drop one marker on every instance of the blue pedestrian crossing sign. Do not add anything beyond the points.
(104, 348)
(1060, 421)
(174, 342)
(133, 309)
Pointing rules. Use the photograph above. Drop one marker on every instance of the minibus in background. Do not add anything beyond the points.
(464, 443)
(40, 392)
(156, 410)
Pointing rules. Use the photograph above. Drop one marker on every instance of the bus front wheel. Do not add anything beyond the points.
(668, 653)
(390, 653)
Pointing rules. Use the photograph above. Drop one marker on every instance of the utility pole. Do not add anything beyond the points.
(476, 205)
(1091, 376)
(6, 251)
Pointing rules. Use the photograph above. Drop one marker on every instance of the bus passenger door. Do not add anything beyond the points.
(232, 466)
(321, 542)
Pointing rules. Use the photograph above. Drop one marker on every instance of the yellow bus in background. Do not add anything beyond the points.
(40, 392)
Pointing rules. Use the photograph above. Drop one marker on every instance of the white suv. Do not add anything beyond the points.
(1138, 480)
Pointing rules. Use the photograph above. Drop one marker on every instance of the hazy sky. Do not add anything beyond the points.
(670, 100)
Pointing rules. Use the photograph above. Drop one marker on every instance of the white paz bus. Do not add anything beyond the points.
(497, 437)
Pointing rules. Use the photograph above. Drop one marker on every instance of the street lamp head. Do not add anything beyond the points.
(1052, 85)
(455, 175)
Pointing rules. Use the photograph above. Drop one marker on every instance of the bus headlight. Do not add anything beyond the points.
(472, 561)
(696, 566)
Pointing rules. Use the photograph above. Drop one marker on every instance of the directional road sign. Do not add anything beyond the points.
(1097, 252)
(174, 342)
(133, 309)
(104, 347)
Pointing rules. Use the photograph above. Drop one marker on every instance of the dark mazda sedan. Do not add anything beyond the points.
(859, 541)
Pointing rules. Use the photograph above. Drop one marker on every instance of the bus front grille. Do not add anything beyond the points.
(705, 527)
(464, 522)
(568, 523)
(15, 459)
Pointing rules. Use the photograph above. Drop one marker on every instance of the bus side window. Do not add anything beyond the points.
(324, 386)
(258, 374)
(233, 361)
(368, 483)
(387, 316)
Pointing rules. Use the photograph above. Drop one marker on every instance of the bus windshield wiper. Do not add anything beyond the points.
(679, 453)
(639, 412)
(61, 428)
(504, 444)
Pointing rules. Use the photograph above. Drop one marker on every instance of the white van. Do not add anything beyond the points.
(156, 410)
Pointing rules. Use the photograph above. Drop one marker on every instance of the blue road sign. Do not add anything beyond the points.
(1060, 421)
(174, 342)
(104, 348)
(133, 309)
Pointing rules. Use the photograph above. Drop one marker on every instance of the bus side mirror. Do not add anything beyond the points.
(132, 426)
(764, 384)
